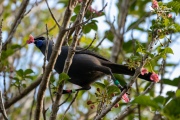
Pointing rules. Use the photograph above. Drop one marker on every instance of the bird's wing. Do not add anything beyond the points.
(90, 53)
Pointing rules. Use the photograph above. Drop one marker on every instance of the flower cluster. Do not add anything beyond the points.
(155, 4)
(125, 98)
(154, 77)
(31, 39)
(92, 10)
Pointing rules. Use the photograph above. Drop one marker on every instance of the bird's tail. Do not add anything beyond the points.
(124, 69)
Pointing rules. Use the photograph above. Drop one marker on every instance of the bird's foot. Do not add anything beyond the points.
(124, 88)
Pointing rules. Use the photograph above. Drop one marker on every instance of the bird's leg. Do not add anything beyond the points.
(75, 90)
(107, 71)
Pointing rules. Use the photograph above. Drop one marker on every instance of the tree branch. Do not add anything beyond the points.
(56, 51)
(69, 58)
(23, 93)
(52, 14)
(17, 21)
(2, 109)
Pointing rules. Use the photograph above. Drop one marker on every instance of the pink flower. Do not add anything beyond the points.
(125, 98)
(144, 71)
(154, 77)
(91, 9)
(31, 39)
(169, 15)
(155, 4)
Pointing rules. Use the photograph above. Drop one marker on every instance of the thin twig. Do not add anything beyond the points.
(50, 92)
(32, 105)
(36, 3)
(44, 110)
(1, 37)
(16, 22)
(65, 100)
(126, 112)
(80, 24)
(70, 104)
(52, 15)
(104, 36)
(88, 45)
(54, 55)
(70, 55)
(2, 109)
(23, 93)
(132, 80)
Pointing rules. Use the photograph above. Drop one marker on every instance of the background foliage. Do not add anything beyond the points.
(21, 64)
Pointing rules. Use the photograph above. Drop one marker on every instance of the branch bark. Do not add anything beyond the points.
(70, 56)
(23, 93)
(16, 22)
(56, 51)
(119, 33)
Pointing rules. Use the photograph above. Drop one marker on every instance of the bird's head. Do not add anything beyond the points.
(38, 41)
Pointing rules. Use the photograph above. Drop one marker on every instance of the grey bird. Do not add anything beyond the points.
(87, 66)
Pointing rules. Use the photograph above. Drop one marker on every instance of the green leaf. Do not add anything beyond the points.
(77, 9)
(24, 85)
(16, 78)
(112, 89)
(145, 101)
(6, 54)
(172, 109)
(175, 5)
(98, 84)
(169, 50)
(63, 77)
(88, 27)
(73, 18)
(166, 22)
(30, 77)
(28, 71)
(178, 93)
(160, 100)
(173, 82)
(15, 46)
(106, 82)
(20, 72)
(139, 50)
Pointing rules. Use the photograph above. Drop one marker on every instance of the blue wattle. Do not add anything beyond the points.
(39, 43)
